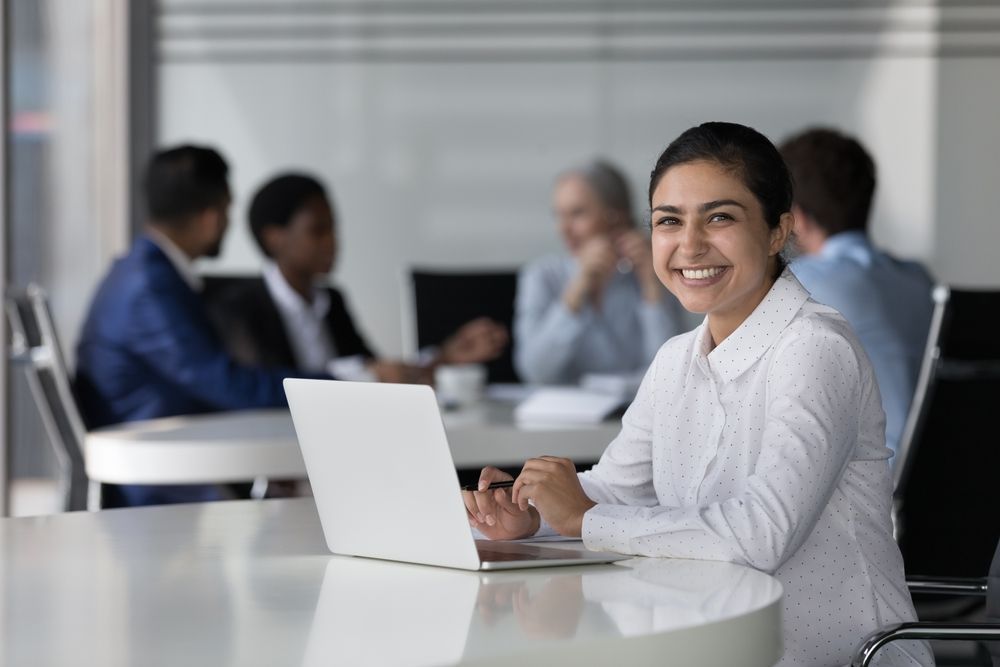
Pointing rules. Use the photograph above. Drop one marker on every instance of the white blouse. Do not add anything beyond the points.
(767, 451)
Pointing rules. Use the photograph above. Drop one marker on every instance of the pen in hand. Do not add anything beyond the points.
(495, 485)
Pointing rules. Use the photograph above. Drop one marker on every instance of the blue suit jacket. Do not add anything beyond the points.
(148, 350)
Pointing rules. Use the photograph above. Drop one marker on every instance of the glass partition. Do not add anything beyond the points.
(62, 225)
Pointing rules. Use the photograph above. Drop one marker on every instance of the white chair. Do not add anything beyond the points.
(35, 348)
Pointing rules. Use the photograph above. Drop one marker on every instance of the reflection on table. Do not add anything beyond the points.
(251, 583)
(699, 613)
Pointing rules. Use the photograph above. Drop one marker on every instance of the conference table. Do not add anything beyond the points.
(238, 446)
(251, 583)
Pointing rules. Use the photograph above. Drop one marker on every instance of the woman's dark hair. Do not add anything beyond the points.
(184, 181)
(277, 201)
(742, 150)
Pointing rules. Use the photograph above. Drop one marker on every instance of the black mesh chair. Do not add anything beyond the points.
(445, 300)
(946, 495)
(988, 587)
(35, 348)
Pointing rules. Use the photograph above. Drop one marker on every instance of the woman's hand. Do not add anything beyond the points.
(637, 249)
(476, 341)
(494, 514)
(597, 260)
(550, 611)
(388, 371)
(398, 372)
(552, 485)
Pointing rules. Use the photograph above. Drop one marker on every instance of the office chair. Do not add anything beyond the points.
(445, 300)
(214, 285)
(35, 347)
(988, 587)
(946, 495)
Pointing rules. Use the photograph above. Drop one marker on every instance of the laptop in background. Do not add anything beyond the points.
(385, 483)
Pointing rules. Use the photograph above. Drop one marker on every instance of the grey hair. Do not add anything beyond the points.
(610, 185)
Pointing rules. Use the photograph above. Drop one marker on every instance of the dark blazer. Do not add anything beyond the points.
(249, 323)
(148, 349)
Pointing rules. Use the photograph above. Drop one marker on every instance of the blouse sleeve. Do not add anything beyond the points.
(815, 390)
(624, 475)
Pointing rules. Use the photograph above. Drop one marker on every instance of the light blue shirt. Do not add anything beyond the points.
(553, 345)
(887, 302)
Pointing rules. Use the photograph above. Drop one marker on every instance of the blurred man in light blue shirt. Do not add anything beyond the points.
(886, 300)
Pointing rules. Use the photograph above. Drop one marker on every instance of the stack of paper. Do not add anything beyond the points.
(622, 385)
(566, 405)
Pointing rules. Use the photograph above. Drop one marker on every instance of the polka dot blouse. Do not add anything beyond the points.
(767, 451)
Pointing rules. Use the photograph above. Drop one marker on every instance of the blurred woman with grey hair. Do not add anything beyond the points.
(598, 307)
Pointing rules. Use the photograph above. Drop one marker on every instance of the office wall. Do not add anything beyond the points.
(967, 233)
(441, 125)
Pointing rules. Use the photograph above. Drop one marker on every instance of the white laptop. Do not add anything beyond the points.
(385, 484)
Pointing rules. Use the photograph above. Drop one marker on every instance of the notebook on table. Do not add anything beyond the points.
(385, 483)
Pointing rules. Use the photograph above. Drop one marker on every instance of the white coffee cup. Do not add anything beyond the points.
(459, 385)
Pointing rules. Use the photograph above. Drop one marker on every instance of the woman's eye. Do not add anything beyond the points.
(666, 221)
(720, 217)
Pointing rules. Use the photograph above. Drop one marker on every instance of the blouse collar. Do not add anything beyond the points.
(755, 336)
(291, 301)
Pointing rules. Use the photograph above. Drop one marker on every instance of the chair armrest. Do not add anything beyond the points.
(866, 650)
(947, 585)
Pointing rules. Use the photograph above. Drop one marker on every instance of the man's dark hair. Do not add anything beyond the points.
(277, 201)
(834, 179)
(184, 181)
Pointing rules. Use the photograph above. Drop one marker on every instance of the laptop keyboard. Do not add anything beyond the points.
(511, 551)
(492, 556)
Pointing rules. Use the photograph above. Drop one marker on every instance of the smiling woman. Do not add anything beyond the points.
(758, 438)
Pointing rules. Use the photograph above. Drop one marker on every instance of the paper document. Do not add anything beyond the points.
(509, 393)
(623, 385)
(566, 405)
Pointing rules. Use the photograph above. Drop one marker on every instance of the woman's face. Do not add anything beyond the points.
(580, 213)
(308, 245)
(711, 246)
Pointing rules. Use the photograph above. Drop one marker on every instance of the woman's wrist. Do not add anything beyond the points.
(576, 294)
(652, 294)
(536, 522)
(578, 524)
(650, 287)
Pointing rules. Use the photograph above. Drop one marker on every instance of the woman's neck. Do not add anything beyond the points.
(301, 282)
(722, 324)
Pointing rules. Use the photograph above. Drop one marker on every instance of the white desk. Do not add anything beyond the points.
(238, 446)
(250, 583)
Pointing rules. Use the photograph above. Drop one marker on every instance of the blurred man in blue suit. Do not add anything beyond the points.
(887, 301)
(147, 348)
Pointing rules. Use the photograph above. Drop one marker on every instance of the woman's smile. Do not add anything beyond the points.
(702, 276)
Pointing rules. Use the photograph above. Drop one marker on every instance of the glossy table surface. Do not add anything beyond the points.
(237, 446)
(251, 583)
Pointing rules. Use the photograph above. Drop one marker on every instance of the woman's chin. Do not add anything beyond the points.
(693, 304)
